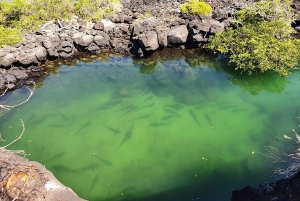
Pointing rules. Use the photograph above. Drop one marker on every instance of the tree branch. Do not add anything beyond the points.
(8, 107)
(20, 136)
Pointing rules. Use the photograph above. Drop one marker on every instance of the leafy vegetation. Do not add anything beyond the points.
(17, 16)
(261, 38)
(89, 9)
(9, 36)
(196, 7)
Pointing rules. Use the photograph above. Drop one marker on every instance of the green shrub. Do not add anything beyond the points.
(45, 10)
(97, 9)
(19, 15)
(264, 41)
(196, 7)
(11, 12)
(23, 14)
(10, 36)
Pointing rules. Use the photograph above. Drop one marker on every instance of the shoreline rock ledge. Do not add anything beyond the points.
(141, 28)
(282, 190)
(21, 179)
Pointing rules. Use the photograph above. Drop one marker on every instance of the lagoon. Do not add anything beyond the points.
(168, 128)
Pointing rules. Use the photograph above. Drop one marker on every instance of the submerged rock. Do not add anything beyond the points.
(123, 91)
(283, 190)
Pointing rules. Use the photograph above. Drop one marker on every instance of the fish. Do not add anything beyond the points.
(108, 105)
(176, 106)
(58, 125)
(208, 119)
(147, 99)
(141, 117)
(63, 116)
(115, 131)
(114, 103)
(172, 112)
(73, 119)
(238, 110)
(198, 107)
(128, 135)
(36, 122)
(95, 180)
(260, 108)
(142, 92)
(203, 93)
(83, 127)
(297, 116)
(193, 115)
(56, 156)
(158, 124)
(89, 167)
(128, 107)
(165, 118)
(225, 107)
(106, 162)
(39, 119)
(133, 108)
(61, 168)
(149, 105)
(31, 118)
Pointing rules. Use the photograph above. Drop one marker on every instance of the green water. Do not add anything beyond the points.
(187, 130)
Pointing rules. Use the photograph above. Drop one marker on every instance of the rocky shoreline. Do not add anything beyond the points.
(142, 27)
(139, 29)
(281, 190)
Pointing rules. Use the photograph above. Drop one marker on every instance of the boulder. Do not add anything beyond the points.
(19, 74)
(127, 11)
(177, 35)
(148, 41)
(64, 55)
(2, 81)
(116, 42)
(101, 40)
(82, 39)
(5, 50)
(10, 86)
(216, 26)
(196, 26)
(40, 53)
(295, 189)
(128, 19)
(245, 194)
(99, 26)
(177, 21)
(7, 60)
(93, 48)
(47, 43)
(39, 183)
(52, 52)
(137, 30)
(67, 47)
(26, 58)
(11, 78)
(162, 36)
(198, 38)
